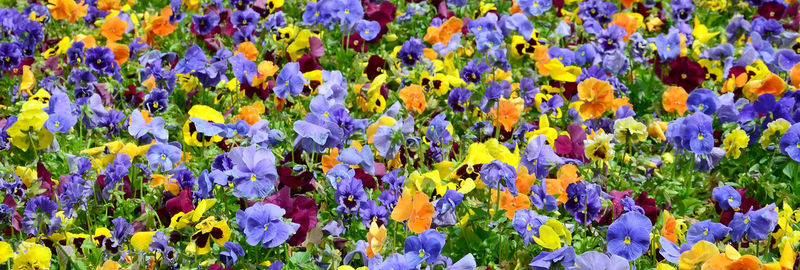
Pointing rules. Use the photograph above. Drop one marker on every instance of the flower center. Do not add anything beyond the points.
(627, 240)
(746, 220)
(705, 232)
(421, 253)
(683, 76)
(287, 83)
(346, 11)
(266, 227)
(57, 124)
(699, 136)
(350, 198)
(529, 227)
(366, 31)
(700, 107)
(163, 157)
(252, 177)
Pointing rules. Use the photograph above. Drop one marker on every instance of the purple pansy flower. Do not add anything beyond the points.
(253, 171)
(629, 235)
(262, 224)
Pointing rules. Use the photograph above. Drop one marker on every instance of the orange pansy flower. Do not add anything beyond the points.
(668, 230)
(674, 100)
(510, 203)
(443, 32)
(772, 84)
(525, 180)
(567, 174)
(507, 113)
(113, 28)
(67, 9)
(121, 52)
(597, 96)
(413, 97)
(417, 210)
(627, 20)
(329, 160)
(794, 75)
(108, 5)
(376, 236)
(251, 114)
(88, 41)
(159, 25)
(248, 49)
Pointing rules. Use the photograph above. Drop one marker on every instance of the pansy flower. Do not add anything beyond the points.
(262, 224)
(209, 230)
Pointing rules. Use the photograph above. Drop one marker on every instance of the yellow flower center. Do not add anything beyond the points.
(421, 253)
(155, 105)
(325, 114)
(627, 240)
(730, 199)
(700, 107)
(316, 14)
(700, 136)
(705, 232)
(99, 61)
(266, 227)
(163, 157)
(287, 83)
(535, 4)
(683, 76)
(746, 220)
(355, 42)
(346, 11)
(57, 124)
(350, 198)
(529, 227)
(252, 177)
(366, 31)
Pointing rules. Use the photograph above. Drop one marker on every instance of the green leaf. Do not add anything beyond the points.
(300, 258)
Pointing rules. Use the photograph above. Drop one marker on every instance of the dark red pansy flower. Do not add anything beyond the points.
(299, 182)
(263, 91)
(772, 10)
(355, 42)
(383, 14)
(611, 213)
(685, 73)
(651, 210)
(366, 179)
(308, 63)
(133, 96)
(375, 67)
(181, 203)
(301, 210)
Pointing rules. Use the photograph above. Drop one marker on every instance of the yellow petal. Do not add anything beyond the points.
(547, 238)
(142, 240)
(5, 252)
